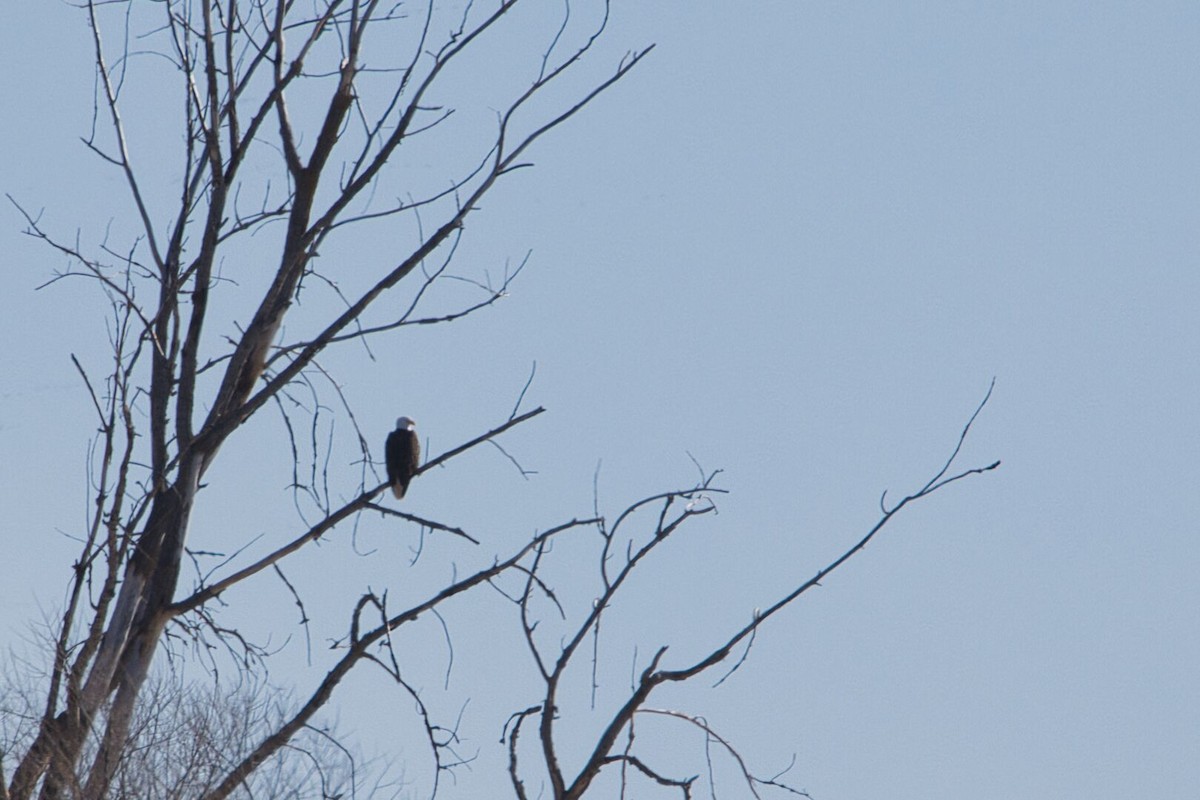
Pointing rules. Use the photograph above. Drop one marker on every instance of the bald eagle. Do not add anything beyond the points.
(402, 453)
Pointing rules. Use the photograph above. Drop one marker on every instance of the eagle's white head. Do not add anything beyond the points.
(405, 424)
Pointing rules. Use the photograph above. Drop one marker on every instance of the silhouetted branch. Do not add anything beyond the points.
(358, 504)
(358, 648)
(653, 676)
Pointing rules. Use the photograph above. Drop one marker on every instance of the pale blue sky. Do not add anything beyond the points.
(798, 242)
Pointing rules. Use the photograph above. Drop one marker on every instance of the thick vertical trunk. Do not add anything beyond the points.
(124, 657)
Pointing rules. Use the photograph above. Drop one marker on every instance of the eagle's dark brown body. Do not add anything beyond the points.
(402, 454)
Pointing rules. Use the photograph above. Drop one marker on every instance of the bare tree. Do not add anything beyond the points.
(186, 734)
(328, 97)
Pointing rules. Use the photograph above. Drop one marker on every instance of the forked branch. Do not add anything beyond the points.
(654, 676)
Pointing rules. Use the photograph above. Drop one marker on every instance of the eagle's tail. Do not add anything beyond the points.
(398, 489)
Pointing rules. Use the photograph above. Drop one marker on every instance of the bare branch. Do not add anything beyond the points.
(358, 504)
(358, 649)
(751, 780)
(422, 521)
(652, 677)
(122, 160)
